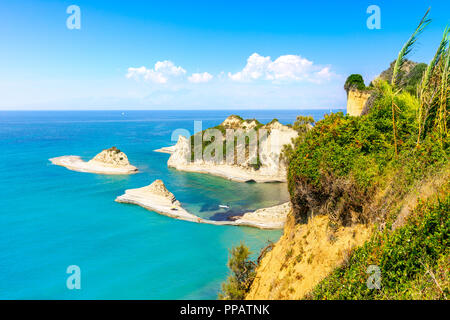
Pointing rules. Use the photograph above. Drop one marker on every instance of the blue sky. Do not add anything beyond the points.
(200, 54)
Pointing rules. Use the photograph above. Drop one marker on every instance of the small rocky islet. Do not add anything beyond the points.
(109, 161)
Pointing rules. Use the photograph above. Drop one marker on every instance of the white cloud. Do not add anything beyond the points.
(325, 73)
(289, 67)
(255, 69)
(200, 77)
(284, 68)
(161, 73)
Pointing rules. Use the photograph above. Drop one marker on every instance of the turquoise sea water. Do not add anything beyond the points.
(51, 217)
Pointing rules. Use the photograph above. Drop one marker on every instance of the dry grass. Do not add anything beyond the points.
(297, 263)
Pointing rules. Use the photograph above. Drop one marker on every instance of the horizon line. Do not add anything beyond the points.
(170, 109)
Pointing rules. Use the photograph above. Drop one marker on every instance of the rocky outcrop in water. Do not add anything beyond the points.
(156, 197)
(158, 188)
(109, 161)
(112, 157)
(356, 101)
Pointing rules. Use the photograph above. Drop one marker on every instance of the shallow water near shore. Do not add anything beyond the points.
(51, 217)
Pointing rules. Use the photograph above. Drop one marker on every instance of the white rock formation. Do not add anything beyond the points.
(275, 217)
(168, 150)
(232, 121)
(272, 168)
(109, 161)
(181, 154)
(156, 197)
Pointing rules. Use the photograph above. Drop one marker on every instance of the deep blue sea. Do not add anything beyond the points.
(51, 217)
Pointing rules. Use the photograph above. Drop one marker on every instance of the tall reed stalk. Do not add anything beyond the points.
(444, 95)
(402, 55)
(433, 88)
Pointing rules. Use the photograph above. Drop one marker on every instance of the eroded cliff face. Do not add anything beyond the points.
(181, 153)
(356, 101)
(303, 256)
(271, 166)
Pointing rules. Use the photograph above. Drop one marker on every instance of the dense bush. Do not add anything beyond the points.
(339, 165)
(413, 260)
(302, 125)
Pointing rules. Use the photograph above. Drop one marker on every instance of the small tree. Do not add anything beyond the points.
(354, 81)
(302, 124)
(242, 274)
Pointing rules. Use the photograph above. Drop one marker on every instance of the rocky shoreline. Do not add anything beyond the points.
(271, 169)
(230, 172)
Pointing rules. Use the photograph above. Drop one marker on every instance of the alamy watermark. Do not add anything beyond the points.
(74, 20)
(374, 280)
(74, 280)
(374, 20)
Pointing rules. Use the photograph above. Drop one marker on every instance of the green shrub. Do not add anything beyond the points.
(242, 274)
(302, 125)
(354, 81)
(413, 260)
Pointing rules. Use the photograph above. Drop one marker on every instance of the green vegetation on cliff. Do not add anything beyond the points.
(345, 160)
(373, 169)
(354, 81)
(244, 129)
(409, 77)
(361, 169)
(413, 260)
(339, 166)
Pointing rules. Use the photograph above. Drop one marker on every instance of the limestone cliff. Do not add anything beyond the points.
(270, 167)
(356, 100)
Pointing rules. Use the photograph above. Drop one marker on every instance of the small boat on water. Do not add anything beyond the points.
(224, 206)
